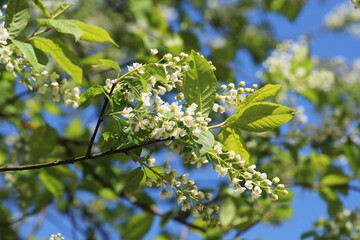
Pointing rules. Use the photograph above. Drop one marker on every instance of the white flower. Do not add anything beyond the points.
(151, 162)
(231, 154)
(167, 56)
(196, 132)
(185, 205)
(217, 149)
(9, 67)
(180, 198)
(127, 112)
(153, 52)
(239, 189)
(145, 99)
(201, 160)
(248, 184)
(276, 180)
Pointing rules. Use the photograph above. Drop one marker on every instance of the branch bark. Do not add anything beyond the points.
(81, 158)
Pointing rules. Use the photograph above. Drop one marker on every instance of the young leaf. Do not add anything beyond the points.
(62, 26)
(334, 179)
(260, 117)
(227, 211)
(133, 180)
(200, 83)
(206, 139)
(89, 94)
(61, 9)
(52, 184)
(263, 94)
(156, 71)
(62, 55)
(109, 64)
(137, 226)
(232, 139)
(93, 34)
(17, 16)
(29, 53)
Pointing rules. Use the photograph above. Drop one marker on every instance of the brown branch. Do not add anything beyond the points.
(81, 158)
(88, 153)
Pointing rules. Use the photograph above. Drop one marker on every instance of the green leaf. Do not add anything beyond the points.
(227, 211)
(42, 7)
(107, 141)
(263, 94)
(41, 57)
(109, 64)
(200, 83)
(167, 217)
(52, 184)
(62, 55)
(260, 117)
(156, 71)
(136, 84)
(17, 16)
(137, 226)
(61, 9)
(290, 8)
(29, 53)
(233, 140)
(86, 98)
(133, 180)
(206, 140)
(62, 26)
(93, 33)
(334, 179)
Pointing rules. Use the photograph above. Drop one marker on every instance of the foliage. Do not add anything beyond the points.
(160, 113)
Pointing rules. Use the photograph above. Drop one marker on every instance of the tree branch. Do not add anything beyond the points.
(81, 158)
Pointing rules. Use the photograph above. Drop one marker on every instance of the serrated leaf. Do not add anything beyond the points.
(17, 16)
(62, 26)
(109, 64)
(200, 83)
(62, 55)
(52, 184)
(263, 94)
(260, 117)
(29, 53)
(156, 71)
(133, 180)
(227, 211)
(93, 33)
(233, 140)
(334, 179)
(61, 9)
(137, 226)
(86, 98)
(136, 84)
(206, 140)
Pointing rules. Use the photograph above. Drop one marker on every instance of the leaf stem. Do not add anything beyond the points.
(223, 124)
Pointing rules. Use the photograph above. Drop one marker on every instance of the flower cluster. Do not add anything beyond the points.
(344, 16)
(56, 237)
(14, 62)
(344, 225)
(141, 92)
(290, 62)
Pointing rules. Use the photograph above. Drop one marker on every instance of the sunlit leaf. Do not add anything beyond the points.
(93, 33)
(62, 55)
(260, 117)
(200, 83)
(62, 26)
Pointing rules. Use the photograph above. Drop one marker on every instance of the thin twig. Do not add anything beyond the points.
(81, 158)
